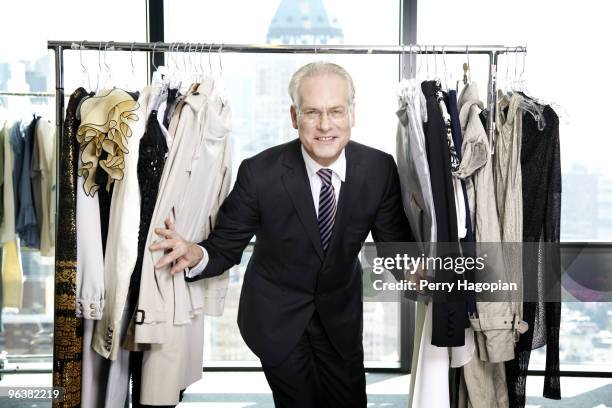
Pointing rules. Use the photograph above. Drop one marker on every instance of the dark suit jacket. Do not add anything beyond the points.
(289, 275)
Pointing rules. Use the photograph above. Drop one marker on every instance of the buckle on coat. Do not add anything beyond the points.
(142, 317)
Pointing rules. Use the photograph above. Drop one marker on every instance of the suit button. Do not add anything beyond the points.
(92, 306)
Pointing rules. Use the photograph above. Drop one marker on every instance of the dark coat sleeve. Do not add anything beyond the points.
(391, 224)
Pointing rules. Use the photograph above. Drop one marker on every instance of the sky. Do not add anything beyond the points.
(567, 61)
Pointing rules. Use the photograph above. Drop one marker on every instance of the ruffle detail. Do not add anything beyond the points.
(105, 126)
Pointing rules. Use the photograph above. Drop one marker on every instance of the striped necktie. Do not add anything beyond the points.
(327, 207)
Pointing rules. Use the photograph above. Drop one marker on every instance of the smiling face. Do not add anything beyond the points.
(324, 120)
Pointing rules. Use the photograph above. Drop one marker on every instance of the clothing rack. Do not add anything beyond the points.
(37, 94)
(66, 366)
(492, 51)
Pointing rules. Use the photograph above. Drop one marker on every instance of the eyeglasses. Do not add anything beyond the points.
(314, 116)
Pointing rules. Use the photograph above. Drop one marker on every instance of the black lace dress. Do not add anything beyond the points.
(541, 171)
(151, 159)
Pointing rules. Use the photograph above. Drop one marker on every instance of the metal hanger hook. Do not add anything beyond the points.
(99, 56)
(201, 56)
(426, 62)
(132, 57)
(105, 64)
(409, 61)
(191, 66)
(419, 65)
(209, 60)
(515, 64)
(81, 57)
(220, 64)
(444, 60)
(435, 61)
(524, 52)
(183, 56)
(153, 56)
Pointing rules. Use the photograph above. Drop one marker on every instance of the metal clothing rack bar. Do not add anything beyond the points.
(37, 94)
(282, 49)
(411, 49)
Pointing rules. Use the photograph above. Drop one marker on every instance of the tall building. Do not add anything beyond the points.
(303, 22)
(579, 207)
(295, 22)
(586, 208)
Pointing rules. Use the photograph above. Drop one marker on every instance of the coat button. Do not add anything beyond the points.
(92, 305)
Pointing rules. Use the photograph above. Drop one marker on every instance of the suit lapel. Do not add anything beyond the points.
(348, 192)
(297, 185)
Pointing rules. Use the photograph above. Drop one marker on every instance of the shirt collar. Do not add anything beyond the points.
(338, 167)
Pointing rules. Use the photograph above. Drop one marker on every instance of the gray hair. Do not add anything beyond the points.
(319, 68)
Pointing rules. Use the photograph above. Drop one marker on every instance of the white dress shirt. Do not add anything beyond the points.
(338, 169)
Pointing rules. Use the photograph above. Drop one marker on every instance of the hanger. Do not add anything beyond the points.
(420, 60)
(132, 79)
(446, 76)
(467, 68)
(436, 77)
(85, 79)
(108, 72)
(506, 79)
(99, 68)
(210, 62)
(527, 104)
(160, 75)
(403, 82)
(174, 72)
(427, 76)
(220, 64)
(522, 84)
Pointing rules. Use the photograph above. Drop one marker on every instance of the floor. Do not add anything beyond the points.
(249, 389)
(238, 390)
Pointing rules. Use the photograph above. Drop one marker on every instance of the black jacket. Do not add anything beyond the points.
(289, 275)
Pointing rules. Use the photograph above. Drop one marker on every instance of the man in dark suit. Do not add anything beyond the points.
(311, 203)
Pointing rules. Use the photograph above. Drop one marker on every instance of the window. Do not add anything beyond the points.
(565, 42)
(257, 89)
(556, 58)
(27, 66)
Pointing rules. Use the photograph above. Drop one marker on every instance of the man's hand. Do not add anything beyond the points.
(416, 277)
(182, 253)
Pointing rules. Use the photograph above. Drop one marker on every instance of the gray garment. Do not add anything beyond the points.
(507, 173)
(36, 178)
(483, 385)
(17, 144)
(483, 379)
(26, 223)
(508, 180)
(414, 175)
(104, 383)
